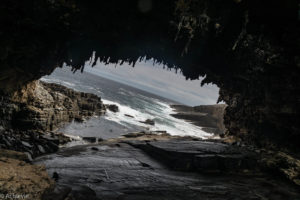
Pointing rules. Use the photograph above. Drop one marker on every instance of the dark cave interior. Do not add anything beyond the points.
(248, 48)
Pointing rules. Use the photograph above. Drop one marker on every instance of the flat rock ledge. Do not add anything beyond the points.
(154, 167)
(211, 156)
(201, 156)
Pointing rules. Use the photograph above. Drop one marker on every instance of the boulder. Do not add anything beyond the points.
(128, 115)
(41, 149)
(148, 121)
(94, 149)
(112, 107)
(92, 139)
(63, 139)
(134, 134)
(78, 119)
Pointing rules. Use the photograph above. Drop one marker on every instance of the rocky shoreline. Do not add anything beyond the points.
(40, 108)
(30, 116)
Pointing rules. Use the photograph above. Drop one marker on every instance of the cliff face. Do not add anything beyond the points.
(45, 106)
(249, 48)
(209, 117)
(42, 107)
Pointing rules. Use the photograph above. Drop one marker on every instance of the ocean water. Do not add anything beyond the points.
(131, 101)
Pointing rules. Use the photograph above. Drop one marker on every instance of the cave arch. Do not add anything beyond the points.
(248, 48)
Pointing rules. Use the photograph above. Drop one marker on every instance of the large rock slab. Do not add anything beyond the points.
(120, 171)
(200, 155)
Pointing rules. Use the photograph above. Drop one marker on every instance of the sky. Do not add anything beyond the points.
(159, 81)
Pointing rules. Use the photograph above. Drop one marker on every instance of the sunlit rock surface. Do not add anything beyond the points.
(21, 180)
(28, 116)
(45, 106)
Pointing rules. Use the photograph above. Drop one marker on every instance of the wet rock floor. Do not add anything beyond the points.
(119, 170)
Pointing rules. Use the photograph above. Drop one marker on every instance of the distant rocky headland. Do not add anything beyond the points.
(209, 117)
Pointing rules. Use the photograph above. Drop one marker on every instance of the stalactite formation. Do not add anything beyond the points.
(249, 48)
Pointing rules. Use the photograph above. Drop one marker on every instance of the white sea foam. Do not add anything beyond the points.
(120, 117)
(163, 120)
(152, 108)
(52, 80)
(74, 137)
(76, 140)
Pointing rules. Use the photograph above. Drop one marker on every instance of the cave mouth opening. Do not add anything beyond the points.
(248, 48)
(148, 97)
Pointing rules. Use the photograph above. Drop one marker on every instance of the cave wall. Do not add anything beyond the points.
(249, 48)
(260, 84)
